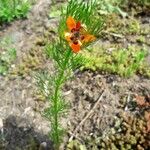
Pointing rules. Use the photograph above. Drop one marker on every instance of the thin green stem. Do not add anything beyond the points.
(56, 97)
(56, 115)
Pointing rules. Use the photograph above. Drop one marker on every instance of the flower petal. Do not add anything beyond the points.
(68, 36)
(88, 38)
(78, 25)
(71, 23)
(75, 47)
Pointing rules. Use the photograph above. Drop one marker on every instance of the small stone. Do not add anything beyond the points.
(1, 124)
(26, 110)
(40, 42)
(43, 146)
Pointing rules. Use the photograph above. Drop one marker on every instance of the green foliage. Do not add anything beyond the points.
(31, 61)
(75, 144)
(124, 62)
(143, 2)
(133, 27)
(130, 26)
(45, 85)
(55, 10)
(65, 62)
(57, 107)
(145, 70)
(106, 7)
(11, 9)
(86, 12)
(128, 132)
(59, 51)
(135, 2)
(7, 56)
(51, 87)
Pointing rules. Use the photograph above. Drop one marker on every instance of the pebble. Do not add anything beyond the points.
(1, 123)
(43, 146)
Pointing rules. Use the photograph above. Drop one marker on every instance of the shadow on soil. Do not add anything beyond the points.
(16, 136)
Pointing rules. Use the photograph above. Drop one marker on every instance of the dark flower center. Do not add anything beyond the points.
(76, 35)
(75, 42)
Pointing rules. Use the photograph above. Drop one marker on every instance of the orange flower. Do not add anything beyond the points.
(77, 34)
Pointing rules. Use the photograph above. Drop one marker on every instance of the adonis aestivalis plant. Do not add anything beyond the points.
(78, 28)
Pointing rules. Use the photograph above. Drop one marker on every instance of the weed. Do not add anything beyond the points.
(124, 62)
(32, 61)
(145, 70)
(11, 9)
(106, 7)
(55, 10)
(143, 2)
(7, 56)
(133, 27)
(123, 26)
(141, 39)
(129, 132)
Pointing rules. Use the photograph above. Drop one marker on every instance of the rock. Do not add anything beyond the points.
(1, 124)
(43, 146)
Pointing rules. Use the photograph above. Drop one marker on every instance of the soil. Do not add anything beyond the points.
(22, 125)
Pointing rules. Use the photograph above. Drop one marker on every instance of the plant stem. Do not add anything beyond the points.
(56, 97)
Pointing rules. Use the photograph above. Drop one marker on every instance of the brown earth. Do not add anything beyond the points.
(21, 122)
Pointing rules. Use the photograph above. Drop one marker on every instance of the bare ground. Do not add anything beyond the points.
(23, 125)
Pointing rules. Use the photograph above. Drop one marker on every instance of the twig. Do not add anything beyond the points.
(113, 34)
(86, 117)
